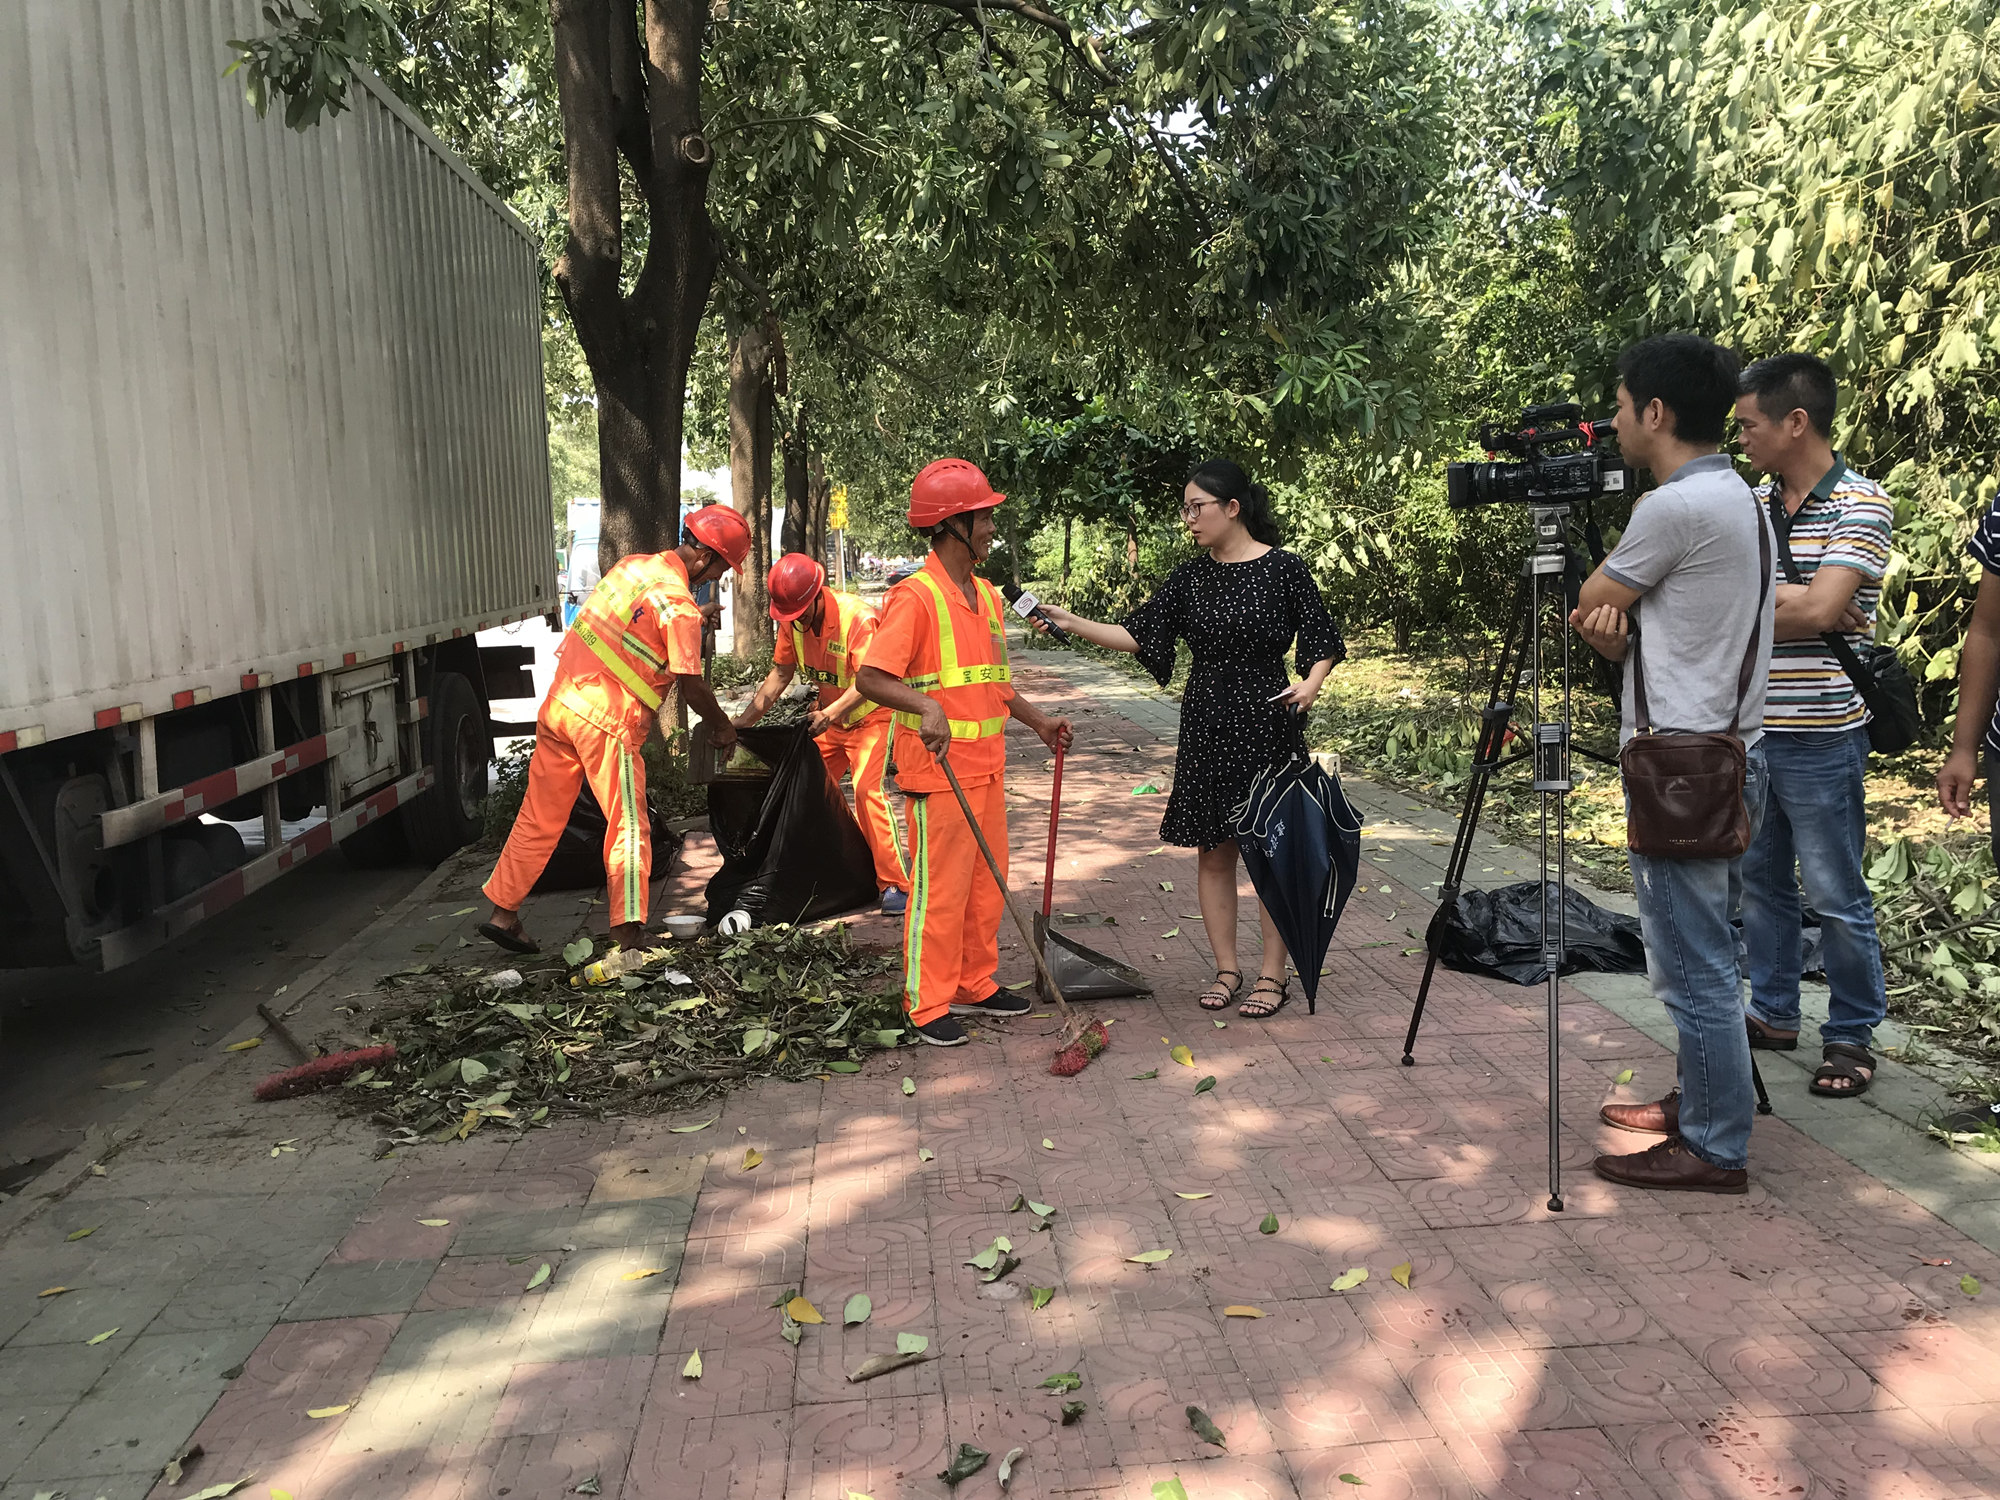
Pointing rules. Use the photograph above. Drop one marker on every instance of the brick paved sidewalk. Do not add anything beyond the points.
(1792, 1343)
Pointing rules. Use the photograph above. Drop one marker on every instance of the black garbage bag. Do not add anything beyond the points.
(791, 850)
(578, 861)
(1499, 932)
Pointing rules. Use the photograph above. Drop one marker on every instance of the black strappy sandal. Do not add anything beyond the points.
(1220, 996)
(1843, 1060)
(513, 939)
(1263, 1010)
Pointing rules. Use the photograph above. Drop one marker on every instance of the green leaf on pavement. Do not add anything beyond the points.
(1040, 1296)
(1350, 1278)
(1149, 1257)
(1205, 1085)
(909, 1085)
(540, 1276)
(859, 1306)
(1142, 1077)
(1624, 1076)
(1068, 1380)
(576, 952)
(101, 1337)
(1270, 1224)
(964, 1464)
(1072, 1413)
(692, 1369)
(1169, 1489)
(1969, 1284)
(1043, 1209)
(911, 1343)
(1204, 1429)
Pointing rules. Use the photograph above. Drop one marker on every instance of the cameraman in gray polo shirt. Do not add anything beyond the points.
(1683, 585)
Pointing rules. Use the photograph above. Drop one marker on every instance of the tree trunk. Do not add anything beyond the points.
(822, 505)
(798, 487)
(752, 410)
(1069, 528)
(639, 98)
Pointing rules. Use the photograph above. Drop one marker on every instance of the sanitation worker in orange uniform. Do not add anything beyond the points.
(636, 637)
(939, 659)
(825, 635)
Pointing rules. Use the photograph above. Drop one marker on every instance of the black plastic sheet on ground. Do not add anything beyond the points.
(1499, 933)
(577, 862)
(791, 850)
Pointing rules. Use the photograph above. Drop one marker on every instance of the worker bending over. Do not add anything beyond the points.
(939, 659)
(825, 635)
(637, 636)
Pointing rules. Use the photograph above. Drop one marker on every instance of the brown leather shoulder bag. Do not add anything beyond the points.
(1684, 792)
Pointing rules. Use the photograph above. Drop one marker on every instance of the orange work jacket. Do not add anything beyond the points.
(639, 629)
(830, 659)
(943, 647)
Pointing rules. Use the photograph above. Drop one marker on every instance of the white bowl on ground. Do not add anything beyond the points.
(683, 926)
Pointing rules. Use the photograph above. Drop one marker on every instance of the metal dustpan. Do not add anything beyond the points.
(1081, 973)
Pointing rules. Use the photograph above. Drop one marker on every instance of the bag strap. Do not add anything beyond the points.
(1642, 719)
(1852, 665)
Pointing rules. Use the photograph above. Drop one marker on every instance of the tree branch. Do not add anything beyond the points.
(968, 10)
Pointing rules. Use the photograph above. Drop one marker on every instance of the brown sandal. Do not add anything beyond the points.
(1254, 1009)
(1219, 996)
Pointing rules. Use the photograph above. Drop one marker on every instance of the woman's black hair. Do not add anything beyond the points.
(1227, 481)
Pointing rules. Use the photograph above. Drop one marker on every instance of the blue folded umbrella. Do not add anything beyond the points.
(1301, 843)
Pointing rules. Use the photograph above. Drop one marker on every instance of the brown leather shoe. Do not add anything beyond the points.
(1661, 1117)
(1670, 1165)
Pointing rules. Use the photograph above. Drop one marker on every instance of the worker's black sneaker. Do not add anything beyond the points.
(1980, 1119)
(1001, 1005)
(943, 1032)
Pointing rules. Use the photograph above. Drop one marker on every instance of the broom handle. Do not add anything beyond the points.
(992, 864)
(1055, 811)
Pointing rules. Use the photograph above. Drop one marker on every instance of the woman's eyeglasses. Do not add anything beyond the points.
(1192, 510)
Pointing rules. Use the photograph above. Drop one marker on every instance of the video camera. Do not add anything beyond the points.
(1559, 462)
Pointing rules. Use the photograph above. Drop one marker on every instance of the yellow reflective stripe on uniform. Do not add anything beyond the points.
(971, 676)
(632, 905)
(636, 685)
(950, 674)
(961, 729)
(644, 652)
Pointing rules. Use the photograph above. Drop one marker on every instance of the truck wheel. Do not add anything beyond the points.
(458, 745)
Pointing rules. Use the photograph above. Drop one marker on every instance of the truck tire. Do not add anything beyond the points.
(458, 745)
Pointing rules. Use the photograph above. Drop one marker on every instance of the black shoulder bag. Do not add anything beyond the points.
(1877, 673)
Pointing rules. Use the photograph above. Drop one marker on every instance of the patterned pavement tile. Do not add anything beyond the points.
(1724, 1457)
(1412, 1469)
(1441, 1314)
(1509, 1391)
(1550, 1466)
(890, 1448)
(1892, 1454)
(1925, 1367)
(828, 1354)
(1790, 1375)
(746, 1365)
(579, 1395)
(680, 1457)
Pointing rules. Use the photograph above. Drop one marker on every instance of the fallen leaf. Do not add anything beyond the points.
(1020, 1202)
(1149, 1257)
(588, 1485)
(911, 1343)
(692, 1369)
(1171, 932)
(1068, 1380)
(1242, 1311)
(1040, 1296)
(319, 1412)
(1169, 1489)
(1072, 1413)
(1205, 1085)
(109, 1331)
(1142, 1077)
(842, 1065)
(964, 1464)
(1166, 885)
(576, 952)
(1221, 1025)
(97, 1170)
(244, 1046)
(789, 1332)
(859, 1306)
(1043, 1209)
(540, 1276)
(909, 1085)
(1351, 1479)
(1943, 1260)
(1204, 1429)
(1401, 1275)
(1624, 1076)
(924, 1153)
(77, 1234)
(751, 1157)
(883, 1364)
(1047, 1144)
(801, 1311)
(988, 1258)
(1182, 1056)
(1191, 1197)
(1007, 1466)
(1350, 1278)
(1968, 1284)
(642, 1275)
(217, 1491)
(857, 1495)
(433, 1223)
(691, 1129)
(55, 1291)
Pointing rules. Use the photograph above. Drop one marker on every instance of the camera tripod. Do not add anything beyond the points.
(1550, 574)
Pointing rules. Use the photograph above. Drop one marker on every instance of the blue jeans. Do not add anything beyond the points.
(1686, 907)
(1815, 829)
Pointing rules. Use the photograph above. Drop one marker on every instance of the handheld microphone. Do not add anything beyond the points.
(1029, 608)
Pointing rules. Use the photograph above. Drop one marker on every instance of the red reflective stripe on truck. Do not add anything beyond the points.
(350, 658)
(9, 741)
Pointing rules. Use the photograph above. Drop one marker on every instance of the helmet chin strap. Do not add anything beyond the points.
(964, 538)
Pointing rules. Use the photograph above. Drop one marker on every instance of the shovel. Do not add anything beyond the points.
(1083, 973)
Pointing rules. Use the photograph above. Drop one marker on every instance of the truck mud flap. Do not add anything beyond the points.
(169, 922)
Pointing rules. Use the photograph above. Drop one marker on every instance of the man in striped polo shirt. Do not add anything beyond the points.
(1837, 524)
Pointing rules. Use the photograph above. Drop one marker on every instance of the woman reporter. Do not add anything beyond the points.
(1239, 608)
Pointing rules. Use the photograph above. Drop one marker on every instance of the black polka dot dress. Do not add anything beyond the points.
(1239, 619)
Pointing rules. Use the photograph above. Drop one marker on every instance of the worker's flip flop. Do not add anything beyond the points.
(512, 939)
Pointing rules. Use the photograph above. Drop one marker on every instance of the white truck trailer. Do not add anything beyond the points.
(272, 453)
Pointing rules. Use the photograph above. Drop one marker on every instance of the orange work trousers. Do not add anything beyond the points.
(570, 750)
(863, 752)
(951, 933)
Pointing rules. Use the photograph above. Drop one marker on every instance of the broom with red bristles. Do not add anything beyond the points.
(1081, 1043)
(314, 1072)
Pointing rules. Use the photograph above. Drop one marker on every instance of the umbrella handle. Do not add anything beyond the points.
(1055, 810)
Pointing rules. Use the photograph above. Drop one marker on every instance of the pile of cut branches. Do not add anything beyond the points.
(773, 1002)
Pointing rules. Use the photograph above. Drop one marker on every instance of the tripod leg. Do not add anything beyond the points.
(1763, 1099)
(1485, 757)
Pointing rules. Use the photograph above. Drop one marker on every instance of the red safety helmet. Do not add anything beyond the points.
(795, 582)
(722, 531)
(949, 487)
